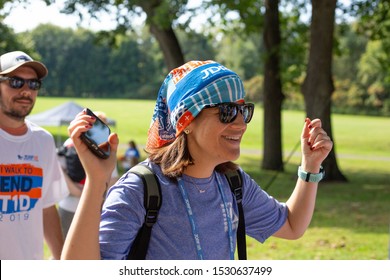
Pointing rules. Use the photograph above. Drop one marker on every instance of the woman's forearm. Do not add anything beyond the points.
(82, 241)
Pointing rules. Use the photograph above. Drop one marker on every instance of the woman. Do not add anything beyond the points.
(197, 126)
(131, 156)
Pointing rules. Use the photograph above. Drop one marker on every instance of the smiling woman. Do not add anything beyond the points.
(195, 135)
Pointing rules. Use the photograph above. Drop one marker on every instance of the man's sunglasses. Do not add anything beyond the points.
(228, 111)
(17, 82)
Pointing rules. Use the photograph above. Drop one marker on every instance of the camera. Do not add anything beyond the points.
(96, 138)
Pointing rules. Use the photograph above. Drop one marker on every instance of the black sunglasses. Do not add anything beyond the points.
(228, 111)
(17, 82)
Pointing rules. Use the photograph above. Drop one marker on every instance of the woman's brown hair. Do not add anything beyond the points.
(174, 158)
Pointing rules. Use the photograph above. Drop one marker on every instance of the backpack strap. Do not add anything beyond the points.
(235, 181)
(152, 204)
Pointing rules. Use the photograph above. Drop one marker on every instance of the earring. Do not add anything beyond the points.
(187, 131)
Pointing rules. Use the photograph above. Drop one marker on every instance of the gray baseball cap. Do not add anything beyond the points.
(11, 61)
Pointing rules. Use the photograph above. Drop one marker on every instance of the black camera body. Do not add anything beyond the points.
(96, 138)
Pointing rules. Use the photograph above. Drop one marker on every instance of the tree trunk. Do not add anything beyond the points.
(273, 95)
(163, 32)
(318, 85)
(169, 44)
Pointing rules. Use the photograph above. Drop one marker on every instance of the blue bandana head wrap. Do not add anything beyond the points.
(185, 92)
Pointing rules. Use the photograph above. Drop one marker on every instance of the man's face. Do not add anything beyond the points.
(17, 103)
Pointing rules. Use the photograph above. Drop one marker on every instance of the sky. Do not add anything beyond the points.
(27, 17)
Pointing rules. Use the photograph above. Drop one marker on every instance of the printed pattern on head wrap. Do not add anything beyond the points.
(185, 92)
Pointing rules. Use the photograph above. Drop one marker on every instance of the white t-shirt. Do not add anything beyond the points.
(31, 179)
(70, 202)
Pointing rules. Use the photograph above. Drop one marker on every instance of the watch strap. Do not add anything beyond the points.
(311, 177)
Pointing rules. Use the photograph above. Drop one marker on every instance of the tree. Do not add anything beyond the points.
(196, 46)
(372, 77)
(273, 95)
(161, 15)
(374, 21)
(9, 41)
(318, 85)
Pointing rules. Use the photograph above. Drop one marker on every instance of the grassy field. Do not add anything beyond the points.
(351, 220)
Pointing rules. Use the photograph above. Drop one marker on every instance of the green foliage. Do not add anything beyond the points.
(9, 40)
(351, 46)
(254, 89)
(249, 12)
(196, 46)
(80, 67)
(246, 63)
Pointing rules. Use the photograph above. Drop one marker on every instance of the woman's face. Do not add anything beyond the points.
(213, 142)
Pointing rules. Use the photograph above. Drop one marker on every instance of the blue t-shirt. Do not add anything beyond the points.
(172, 237)
(132, 153)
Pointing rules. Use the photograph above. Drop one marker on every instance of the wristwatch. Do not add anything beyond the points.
(311, 177)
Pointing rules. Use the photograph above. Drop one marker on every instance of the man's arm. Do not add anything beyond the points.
(52, 231)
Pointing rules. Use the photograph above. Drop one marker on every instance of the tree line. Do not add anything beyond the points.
(83, 65)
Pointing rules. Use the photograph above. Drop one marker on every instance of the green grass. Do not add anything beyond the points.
(351, 220)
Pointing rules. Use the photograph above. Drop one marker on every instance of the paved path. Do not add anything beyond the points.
(258, 152)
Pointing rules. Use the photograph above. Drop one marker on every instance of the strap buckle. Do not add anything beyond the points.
(238, 194)
(151, 217)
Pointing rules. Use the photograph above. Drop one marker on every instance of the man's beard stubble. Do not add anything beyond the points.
(18, 115)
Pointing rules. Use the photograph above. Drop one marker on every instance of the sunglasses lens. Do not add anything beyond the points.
(247, 112)
(34, 84)
(16, 82)
(227, 112)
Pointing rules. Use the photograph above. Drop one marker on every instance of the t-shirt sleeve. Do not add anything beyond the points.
(122, 215)
(54, 184)
(264, 215)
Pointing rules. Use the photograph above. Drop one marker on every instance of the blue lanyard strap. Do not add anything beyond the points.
(228, 219)
(191, 217)
(192, 220)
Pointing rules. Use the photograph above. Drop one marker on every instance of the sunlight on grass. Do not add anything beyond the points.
(323, 244)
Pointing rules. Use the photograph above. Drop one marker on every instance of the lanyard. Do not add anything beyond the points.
(192, 219)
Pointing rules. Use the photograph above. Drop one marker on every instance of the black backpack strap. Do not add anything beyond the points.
(235, 181)
(152, 204)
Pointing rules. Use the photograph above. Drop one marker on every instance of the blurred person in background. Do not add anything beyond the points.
(73, 168)
(131, 156)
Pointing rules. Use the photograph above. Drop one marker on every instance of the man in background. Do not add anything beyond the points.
(31, 179)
